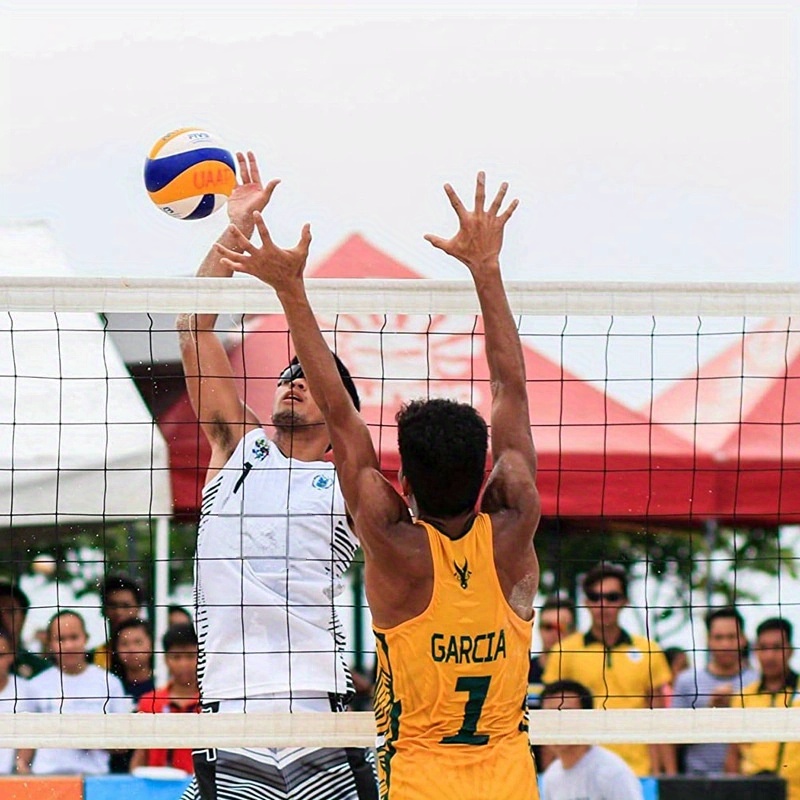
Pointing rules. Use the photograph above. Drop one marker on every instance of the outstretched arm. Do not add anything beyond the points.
(356, 460)
(225, 419)
(477, 244)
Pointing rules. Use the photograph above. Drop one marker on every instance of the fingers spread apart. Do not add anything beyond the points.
(255, 175)
(436, 241)
(262, 228)
(512, 207)
(480, 200)
(455, 201)
(269, 189)
(240, 240)
(248, 168)
(232, 259)
(498, 199)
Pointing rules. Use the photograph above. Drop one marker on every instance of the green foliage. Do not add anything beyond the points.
(84, 553)
(689, 568)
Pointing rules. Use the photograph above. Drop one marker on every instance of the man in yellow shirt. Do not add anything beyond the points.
(620, 669)
(450, 586)
(777, 687)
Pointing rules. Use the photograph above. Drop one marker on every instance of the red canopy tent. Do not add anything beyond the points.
(743, 407)
(597, 458)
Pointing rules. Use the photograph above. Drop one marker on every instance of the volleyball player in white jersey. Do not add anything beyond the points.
(273, 543)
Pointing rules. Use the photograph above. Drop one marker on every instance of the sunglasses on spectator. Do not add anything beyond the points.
(549, 626)
(609, 597)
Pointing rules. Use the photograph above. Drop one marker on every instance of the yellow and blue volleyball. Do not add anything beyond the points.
(189, 173)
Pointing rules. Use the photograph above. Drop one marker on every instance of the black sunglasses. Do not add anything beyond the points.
(609, 597)
(292, 373)
(549, 626)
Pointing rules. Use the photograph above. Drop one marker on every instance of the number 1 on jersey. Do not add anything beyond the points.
(477, 688)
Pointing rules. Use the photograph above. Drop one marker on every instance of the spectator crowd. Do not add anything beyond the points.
(606, 666)
(603, 666)
(115, 677)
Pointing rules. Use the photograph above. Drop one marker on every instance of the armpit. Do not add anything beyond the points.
(493, 499)
(522, 596)
(221, 434)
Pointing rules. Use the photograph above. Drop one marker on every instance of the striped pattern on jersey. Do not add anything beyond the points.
(273, 545)
(284, 774)
(210, 492)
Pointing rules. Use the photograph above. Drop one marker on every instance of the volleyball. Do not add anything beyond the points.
(189, 173)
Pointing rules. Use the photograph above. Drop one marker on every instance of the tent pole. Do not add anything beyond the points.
(161, 596)
(712, 528)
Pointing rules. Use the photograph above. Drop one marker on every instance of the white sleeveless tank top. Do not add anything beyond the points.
(272, 545)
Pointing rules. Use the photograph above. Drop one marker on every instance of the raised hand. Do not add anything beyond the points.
(278, 267)
(249, 195)
(480, 234)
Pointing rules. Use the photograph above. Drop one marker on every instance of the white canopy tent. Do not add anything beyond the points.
(77, 442)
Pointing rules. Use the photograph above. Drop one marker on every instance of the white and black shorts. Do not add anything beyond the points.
(286, 774)
(295, 773)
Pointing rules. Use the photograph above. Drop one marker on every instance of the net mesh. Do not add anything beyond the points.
(665, 417)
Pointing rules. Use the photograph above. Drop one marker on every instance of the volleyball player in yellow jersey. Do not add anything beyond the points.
(451, 594)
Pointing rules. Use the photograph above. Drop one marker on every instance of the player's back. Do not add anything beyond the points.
(451, 687)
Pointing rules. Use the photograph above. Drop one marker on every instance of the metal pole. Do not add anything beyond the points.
(712, 529)
(161, 596)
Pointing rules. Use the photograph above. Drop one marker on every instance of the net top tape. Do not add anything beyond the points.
(357, 729)
(399, 296)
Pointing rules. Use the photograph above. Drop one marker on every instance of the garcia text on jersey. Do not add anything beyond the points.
(467, 649)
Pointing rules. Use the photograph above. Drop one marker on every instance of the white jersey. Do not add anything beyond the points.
(13, 700)
(599, 775)
(272, 546)
(93, 691)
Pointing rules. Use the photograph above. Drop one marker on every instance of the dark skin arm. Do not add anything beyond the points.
(381, 518)
(510, 495)
(23, 760)
(398, 572)
(210, 382)
(663, 757)
(733, 760)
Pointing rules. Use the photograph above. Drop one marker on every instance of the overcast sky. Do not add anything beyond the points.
(646, 141)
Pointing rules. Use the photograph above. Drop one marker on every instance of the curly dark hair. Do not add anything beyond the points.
(443, 447)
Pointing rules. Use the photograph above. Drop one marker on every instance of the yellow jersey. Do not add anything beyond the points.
(780, 758)
(624, 675)
(101, 656)
(451, 684)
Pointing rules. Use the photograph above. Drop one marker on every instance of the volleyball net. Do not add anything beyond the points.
(666, 419)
